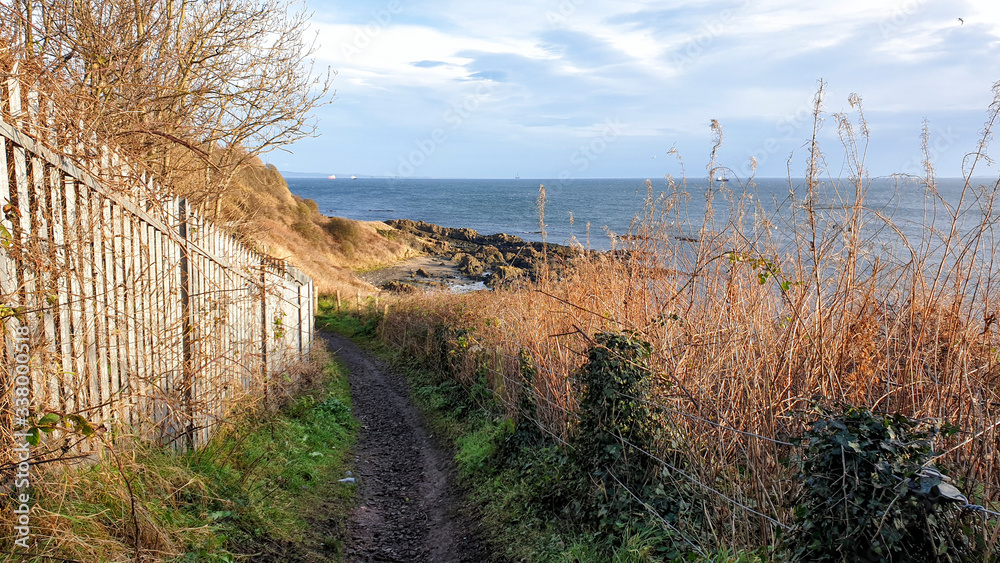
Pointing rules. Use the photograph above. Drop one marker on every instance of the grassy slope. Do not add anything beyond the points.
(329, 249)
(248, 492)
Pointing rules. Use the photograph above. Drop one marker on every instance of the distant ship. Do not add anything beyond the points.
(354, 177)
(517, 176)
(331, 177)
(722, 179)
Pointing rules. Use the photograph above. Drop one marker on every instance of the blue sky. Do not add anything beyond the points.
(588, 88)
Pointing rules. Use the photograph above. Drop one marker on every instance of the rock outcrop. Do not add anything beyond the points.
(496, 259)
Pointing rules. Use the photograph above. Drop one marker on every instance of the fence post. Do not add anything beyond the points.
(187, 381)
(263, 324)
(298, 304)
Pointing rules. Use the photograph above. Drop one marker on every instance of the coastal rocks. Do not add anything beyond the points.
(396, 286)
(468, 264)
(490, 255)
(497, 258)
(437, 247)
(464, 234)
(504, 275)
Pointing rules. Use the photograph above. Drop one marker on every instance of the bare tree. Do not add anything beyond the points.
(196, 89)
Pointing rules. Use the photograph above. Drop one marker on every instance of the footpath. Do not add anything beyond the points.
(409, 509)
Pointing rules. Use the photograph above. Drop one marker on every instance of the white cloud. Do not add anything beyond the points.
(391, 51)
(564, 66)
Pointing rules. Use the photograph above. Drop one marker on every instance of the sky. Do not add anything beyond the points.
(629, 89)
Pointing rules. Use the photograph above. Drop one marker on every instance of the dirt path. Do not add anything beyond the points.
(408, 508)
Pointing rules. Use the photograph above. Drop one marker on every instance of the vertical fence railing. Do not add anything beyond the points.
(142, 315)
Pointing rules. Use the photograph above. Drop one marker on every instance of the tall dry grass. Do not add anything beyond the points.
(755, 312)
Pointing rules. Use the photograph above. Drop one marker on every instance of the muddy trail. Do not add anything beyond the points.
(408, 508)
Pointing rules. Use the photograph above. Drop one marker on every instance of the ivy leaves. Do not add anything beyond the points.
(867, 495)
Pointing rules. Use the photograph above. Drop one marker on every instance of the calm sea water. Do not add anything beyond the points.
(510, 206)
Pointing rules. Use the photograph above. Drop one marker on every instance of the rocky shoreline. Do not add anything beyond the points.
(493, 260)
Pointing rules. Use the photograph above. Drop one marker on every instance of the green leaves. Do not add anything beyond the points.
(616, 428)
(866, 495)
(7, 312)
(52, 421)
(49, 420)
(6, 239)
(766, 268)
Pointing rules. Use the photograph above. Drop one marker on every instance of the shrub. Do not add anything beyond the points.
(344, 230)
(616, 432)
(614, 382)
(308, 230)
(867, 496)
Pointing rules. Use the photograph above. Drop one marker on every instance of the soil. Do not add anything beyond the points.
(409, 508)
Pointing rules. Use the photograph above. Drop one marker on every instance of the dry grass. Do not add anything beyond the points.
(267, 216)
(750, 325)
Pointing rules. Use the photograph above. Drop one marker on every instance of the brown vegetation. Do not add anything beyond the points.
(748, 331)
(190, 93)
(264, 214)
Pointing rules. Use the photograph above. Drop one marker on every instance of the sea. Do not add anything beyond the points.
(894, 206)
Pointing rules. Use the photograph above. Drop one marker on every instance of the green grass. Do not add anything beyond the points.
(358, 327)
(251, 490)
(509, 499)
(289, 466)
(477, 448)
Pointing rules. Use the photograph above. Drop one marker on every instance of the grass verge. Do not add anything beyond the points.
(249, 495)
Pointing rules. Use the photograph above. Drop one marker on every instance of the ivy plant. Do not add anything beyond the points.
(868, 492)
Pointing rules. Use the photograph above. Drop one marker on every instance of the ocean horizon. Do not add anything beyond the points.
(608, 205)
